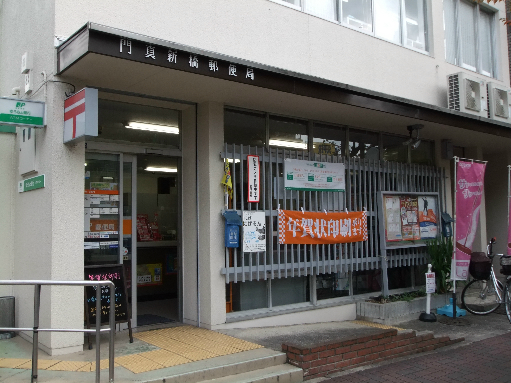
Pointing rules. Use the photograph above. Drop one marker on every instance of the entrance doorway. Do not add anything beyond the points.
(132, 213)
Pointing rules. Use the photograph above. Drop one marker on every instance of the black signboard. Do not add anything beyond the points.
(115, 274)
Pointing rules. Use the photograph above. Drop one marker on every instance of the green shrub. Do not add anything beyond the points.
(440, 255)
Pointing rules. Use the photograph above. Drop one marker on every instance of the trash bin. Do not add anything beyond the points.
(6, 316)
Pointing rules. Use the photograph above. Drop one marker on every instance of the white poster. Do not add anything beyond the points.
(392, 210)
(253, 178)
(254, 231)
(312, 175)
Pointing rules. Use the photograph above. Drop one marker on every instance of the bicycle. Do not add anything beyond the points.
(485, 293)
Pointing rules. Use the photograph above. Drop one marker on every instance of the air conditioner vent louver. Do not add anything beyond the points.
(498, 100)
(454, 93)
(472, 94)
(500, 103)
(467, 94)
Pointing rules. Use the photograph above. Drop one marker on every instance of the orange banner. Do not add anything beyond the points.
(314, 228)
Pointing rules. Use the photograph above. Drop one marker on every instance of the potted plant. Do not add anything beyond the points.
(440, 255)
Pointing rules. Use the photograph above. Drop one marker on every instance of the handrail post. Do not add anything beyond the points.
(35, 332)
(112, 333)
(98, 330)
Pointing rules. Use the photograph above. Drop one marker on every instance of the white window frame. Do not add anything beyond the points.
(458, 49)
(402, 25)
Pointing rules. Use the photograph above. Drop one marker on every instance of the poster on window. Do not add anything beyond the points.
(392, 210)
(253, 179)
(313, 175)
(254, 231)
(149, 274)
(410, 218)
(427, 217)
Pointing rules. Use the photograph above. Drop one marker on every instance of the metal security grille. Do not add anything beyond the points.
(364, 179)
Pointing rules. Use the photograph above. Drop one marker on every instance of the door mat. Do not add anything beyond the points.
(148, 319)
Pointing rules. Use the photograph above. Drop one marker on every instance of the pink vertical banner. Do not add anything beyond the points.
(469, 191)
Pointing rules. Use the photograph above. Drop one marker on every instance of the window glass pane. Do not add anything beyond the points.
(332, 285)
(363, 144)
(387, 20)
(114, 118)
(450, 31)
(415, 30)
(394, 150)
(400, 277)
(367, 281)
(249, 295)
(101, 205)
(424, 154)
(329, 139)
(468, 36)
(244, 128)
(485, 43)
(286, 291)
(357, 13)
(294, 2)
(288, 133)
(321, 8)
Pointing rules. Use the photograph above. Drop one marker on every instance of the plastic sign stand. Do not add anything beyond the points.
(428, 316)
(448, 310)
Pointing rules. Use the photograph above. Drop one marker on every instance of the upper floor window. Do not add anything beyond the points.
(470, 36)
(401, 22)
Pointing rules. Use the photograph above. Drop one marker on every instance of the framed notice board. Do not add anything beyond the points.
(408, 219)
(114, 273)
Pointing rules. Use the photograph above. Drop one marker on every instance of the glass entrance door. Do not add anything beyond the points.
(132, 217)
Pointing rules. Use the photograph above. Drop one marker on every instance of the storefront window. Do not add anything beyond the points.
(332, 285)
(393, 149)
(400, 277)
(286, 291)
(141, 124)
(244, 128)
(329, 140)
(363, 144)
(367, 281)
(424, 154)
(288, 133)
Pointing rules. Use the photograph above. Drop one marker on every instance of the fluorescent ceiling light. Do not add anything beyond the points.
(411, 21)
(163, 170)
(108, 178)
(230, 160)
(153, 127)
(289, 144)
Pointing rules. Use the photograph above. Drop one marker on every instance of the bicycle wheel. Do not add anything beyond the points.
(480, 297)
(507, 299)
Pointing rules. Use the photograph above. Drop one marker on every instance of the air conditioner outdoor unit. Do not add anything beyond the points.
(499, 98)
(467, 94)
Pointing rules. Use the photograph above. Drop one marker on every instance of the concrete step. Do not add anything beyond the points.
(224, 366)
(284, 373)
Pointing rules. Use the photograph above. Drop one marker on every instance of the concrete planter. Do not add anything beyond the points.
(392, 312)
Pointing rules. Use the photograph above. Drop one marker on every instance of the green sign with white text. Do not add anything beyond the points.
(31, 184)
(21, 112)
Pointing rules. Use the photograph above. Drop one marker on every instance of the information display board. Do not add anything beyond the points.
(408, 219)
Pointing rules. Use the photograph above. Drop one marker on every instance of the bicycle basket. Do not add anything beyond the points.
(505, 262)
(480, 266)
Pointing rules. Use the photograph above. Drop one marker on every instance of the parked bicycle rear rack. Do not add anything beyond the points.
(35, 330)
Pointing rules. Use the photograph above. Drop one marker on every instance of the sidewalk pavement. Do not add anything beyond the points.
(180, 348)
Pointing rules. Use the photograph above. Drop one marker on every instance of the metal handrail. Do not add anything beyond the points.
(35, 330)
